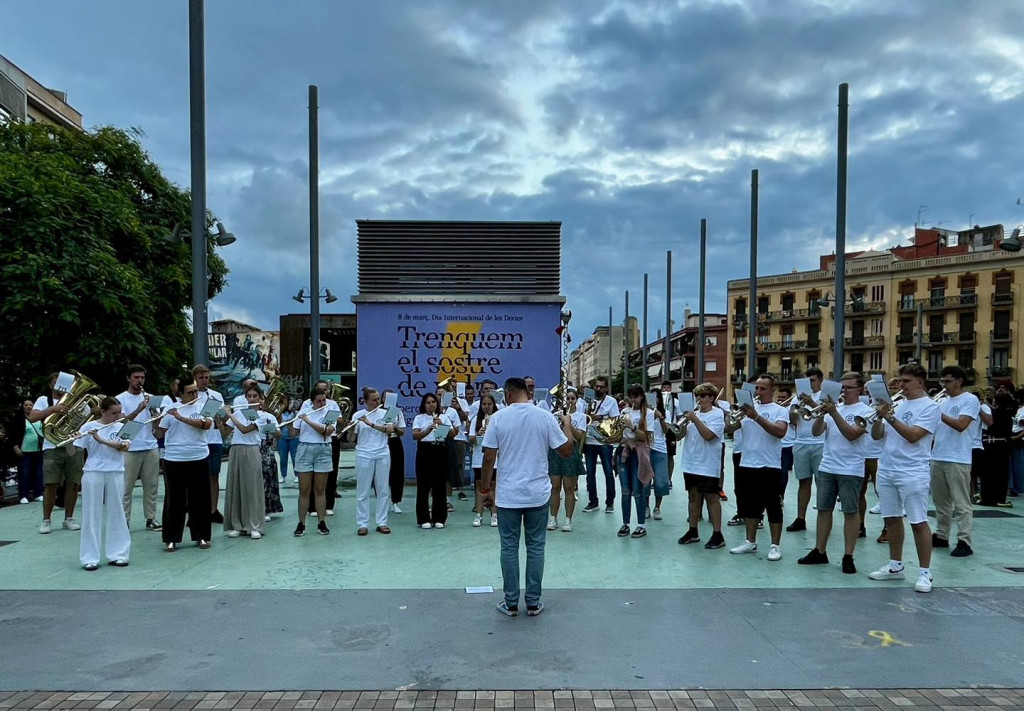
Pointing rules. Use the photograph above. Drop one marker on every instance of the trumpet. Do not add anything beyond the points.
(735, 416)
(940, 396)
(897, 399)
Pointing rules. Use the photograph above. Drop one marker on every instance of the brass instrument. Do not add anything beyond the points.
(277, 399)
(940, 396)
(735, 416)
(58, 427)
(897, 399)
(612, 428)
(442, 384)
(345, 403)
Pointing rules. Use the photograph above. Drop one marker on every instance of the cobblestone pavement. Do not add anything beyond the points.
(488, 700)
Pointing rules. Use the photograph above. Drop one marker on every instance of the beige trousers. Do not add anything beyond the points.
(143, 465)
(951, 492)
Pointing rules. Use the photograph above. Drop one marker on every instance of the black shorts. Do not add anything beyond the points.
(759, 491)
(670, 442)
(703, 484)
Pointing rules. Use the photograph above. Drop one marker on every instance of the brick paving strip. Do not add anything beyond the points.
(1001, 699)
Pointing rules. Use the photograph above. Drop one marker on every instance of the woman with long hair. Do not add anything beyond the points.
(102, 487)
(477, 428)
(432, 466)
(313, 461)
(635, 470)
(565, 473)
(245, 491)
(659, 454)
(373, 462)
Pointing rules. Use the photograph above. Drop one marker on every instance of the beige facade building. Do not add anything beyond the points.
(590, 358)
(24, 99)
(948, 299)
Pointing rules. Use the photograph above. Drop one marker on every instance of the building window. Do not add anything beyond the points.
(934, 362)
(762, 364)
(812, 301)
(937, 291)
(787, 302)
(878, 292)
(857, 362)
(905, 357)
(965, 357)
(1000, 357)
(711, 366)
(763, 304)
(876, 327)
(710, 341)
(907, 291)
(787, 336)
(876, 360)
(741, 308)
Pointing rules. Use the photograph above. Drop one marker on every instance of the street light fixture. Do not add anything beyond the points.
(1012, 243)
(221, 238)
(856, 301)
(328, 296)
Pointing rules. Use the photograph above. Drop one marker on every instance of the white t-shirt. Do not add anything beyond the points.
(581, 406)
(249, 439)
(213, 435)
(101, 457)
(978, 427)
(371, 443)
(700, 456)
(841, 456)
(523, 434)
(634, 417)
(456, 422)
(658, 441)
(308, 435)
(899, 457)
(423, 421)
(671, 407)
(950, 445)
(42, 403)
(804, 428)
(790, 437)
(144, 440)
(606, 408)
(760, 449)
(184, 443)
(476, 458)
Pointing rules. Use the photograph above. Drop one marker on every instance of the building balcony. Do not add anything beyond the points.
(860, 343)
(738, 378)
(1000, 371)
(739, 347)
(791, 346)
(957, 301)
(1002, 335)
(863, 308)
(951, 337)
(1002, 299)
(791, 315)
(906, 339)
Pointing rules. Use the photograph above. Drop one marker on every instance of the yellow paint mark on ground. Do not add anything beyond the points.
(886, 639)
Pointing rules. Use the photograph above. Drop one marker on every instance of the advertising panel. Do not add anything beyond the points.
(409, 347)
(234, 357)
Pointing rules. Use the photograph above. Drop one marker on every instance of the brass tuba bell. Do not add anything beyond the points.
(58, 427)
(276, 398)
(346, 404)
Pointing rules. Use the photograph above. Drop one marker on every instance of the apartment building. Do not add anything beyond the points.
(948, 298)
(24, 99)
(591, 358)
(682, 370)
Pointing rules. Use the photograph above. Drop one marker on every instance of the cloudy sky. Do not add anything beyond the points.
(628, 121)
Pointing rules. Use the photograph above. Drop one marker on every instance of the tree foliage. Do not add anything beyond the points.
(88, 280)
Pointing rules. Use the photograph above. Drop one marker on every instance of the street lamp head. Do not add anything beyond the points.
(824, 301)
(1012, 243)
(177, 234)
(224, 238)
(299, 297)
(330, 298)
(566, 317)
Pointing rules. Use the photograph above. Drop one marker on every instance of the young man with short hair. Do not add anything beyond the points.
(807, 451)
(603, 406)
(142, 460)
(951, 463)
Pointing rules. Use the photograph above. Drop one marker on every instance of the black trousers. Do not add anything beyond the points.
(432, 471)
(187, 491)
(995, 473)
(396, 477)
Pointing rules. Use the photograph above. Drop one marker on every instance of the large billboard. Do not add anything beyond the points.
(234, 357)
(409, 347)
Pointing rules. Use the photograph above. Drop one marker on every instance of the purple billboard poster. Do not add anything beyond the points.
(409, 347)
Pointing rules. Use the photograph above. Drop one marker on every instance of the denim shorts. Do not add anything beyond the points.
(845, 487)
(313, 458)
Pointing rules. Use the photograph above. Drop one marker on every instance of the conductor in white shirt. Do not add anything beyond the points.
(521, 435)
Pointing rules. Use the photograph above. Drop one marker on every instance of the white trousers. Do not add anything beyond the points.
(102, 492)
(375, 473)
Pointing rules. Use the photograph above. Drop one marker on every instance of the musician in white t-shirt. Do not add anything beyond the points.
(807, 451)
(904, 473)
(142, 460)
(703, 438)
(244, 497)
(951, 463)
(214, 439)
(373, 462)
(602, 406)
(841, 470)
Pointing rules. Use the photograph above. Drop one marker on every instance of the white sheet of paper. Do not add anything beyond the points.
(541, 394)
(390, 400)
(446, 399)
(499, 397)
(589, 394)
(474, 590)
(64, 382)
(685, 402)
(652, 400)
(747, 387)
(878, 392)
(744, 397)
(460, 389)
(877, 377)
(157, 402)
(830, 390)
(803, 386)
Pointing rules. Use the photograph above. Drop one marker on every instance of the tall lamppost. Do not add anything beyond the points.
(314, 335)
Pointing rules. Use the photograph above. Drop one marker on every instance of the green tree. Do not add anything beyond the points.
(88, 280)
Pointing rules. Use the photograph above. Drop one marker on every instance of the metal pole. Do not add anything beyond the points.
(666, 354)
(644, 354)
(610, 348)
(752, 298)
(920, 328)
(625, 349)
(703, 274)
(314, 236)
(197, 135)
(839, 360)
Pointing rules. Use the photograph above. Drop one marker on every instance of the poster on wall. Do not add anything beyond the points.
(234, 357)
(409, 347)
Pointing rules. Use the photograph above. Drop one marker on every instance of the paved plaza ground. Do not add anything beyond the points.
(390, 614)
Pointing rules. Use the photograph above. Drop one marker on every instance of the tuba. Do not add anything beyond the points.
(276, 401)
(337, 394)
(58, 428)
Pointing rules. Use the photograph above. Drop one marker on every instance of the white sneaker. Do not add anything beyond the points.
(924, 582)
(478, 521)
(44, 527)
(255, 535)
(426, 526)
(280, 479)
(657, 515)
(494, 520)
(648, 513)
(266, 519)
(395, 508)
(876, 509)
(72, 525)
(552, 523)
(330, 512)
(38, 498)
(23, 500)
(774, 552)
(887, 573)
(567, 526)
(745, 547)
(438, 525)
(234, 534)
